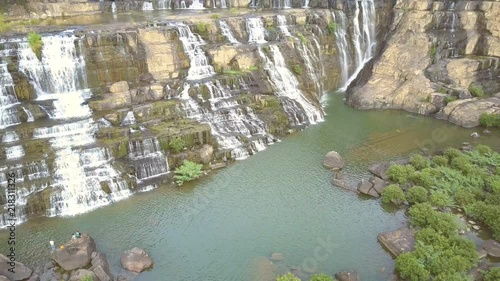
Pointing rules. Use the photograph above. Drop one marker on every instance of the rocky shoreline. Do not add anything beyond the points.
(79, 260)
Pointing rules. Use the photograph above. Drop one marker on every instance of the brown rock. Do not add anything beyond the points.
(398, 241)
(364, 187)
(21, 271)
(333, 161)
(76, 253)
(119, 87)
(492, 247)
(136, 260)
(347, 276)
(378, 184)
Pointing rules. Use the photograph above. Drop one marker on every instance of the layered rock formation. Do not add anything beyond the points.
(441, 59)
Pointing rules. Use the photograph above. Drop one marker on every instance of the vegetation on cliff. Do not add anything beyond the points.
(468, 182)
(188, 171)
(36, 43)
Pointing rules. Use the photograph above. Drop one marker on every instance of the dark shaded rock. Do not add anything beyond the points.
(82, 273)
(378, 184)
(347, 276)
(398, 241)
(21, 272)
(76, 253)
(333, 161)
(364, 187)
(136, 260)
(492, 247)
(100, 267)
(146, 77)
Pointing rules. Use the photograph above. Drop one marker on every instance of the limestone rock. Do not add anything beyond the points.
(100, 267)
(76, 253)
(492, 247)
(119, 87)
(466, 113)
(347, 276)
(398, 241)
(22, 272)
(365, 187)
(80, 274)
(136, 260)
(333, 161)
(206, 153)
(378, 184)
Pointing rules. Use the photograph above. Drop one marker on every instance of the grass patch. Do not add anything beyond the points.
(490, 119)
(4, 26)
(215, 16)
(233, 72)
(297, 69)
(476, 91)
(432, 52)
(36, 43)
(332, 27)
(302, 38)
(202, 28)
(449, 99)
(253, 68)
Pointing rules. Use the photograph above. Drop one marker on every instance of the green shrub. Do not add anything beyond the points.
(88, 278)
(449, 99)
(488, 214)
(202, 28)
(302, 38)
(393, 194)
(36, 43)
(464, 197)
(462, 164)
(187, 172)
(400, 173)
(332, 27)
(215, 16)
(483, 150)
(439, 160)
(440, 199)
(492, 274)
(452, 153)
(288, 277)
(177, 144)
(424, 178)
(321, 277)
(419, 162)
(419, 214)
(444, 223)
(476, 91)
(297, 69)
(416, 194)
(409, 267)
(490, 119)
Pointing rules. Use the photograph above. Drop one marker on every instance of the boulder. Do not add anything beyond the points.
(76, 253)
(21, 272)
(364, 187)
(119, 87)
(380, 170)
(347, 276)
(35, 277)
(100, 267)
(492, 247)
(206, 153)
(136, 260)
(277, 256)
(333, 161)
(398, 241)
(80, 274)
(378, 184)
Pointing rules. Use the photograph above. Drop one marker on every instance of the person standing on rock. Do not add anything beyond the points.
(52, 245)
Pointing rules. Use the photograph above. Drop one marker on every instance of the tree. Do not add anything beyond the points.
(321, 277)
(288, 277)
(416, 194)
(393, 194)
(187, 172)
(409, 267)
(400, 173)
(177, 144)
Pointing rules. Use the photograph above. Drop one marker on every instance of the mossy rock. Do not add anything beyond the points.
(105, 187)
(38, 203)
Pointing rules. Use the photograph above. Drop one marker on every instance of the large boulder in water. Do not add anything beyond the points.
(21, 272)
(333, 161)
(136, 260)
(76, 253)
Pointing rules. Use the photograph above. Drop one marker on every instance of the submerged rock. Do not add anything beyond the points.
(492, 247)
(136, 260)
(398, 241)
(333, 161)
(347, 276)
(22, 272)
(76, 253)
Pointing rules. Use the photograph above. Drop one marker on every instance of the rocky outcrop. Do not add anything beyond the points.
(398, 241)
(76, 253)
(467, 112)
(333, 161)
(136, 260)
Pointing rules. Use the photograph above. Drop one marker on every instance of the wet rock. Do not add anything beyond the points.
(475, 135)
(49, 275)
(217, 166)
(347, 276)
(378, 184)
(487, 132)
(481, 253)
(35, 277)
(21, 271)
(49, 265)
(277, 256)
(100, 267)
(80, 274)
(380, 170)
(136, 260)
(492, 247)
(119, 87)
(398, 241)
(121, 278)
(333, 161)
(76, 253)
(94, 255)
(365, 187)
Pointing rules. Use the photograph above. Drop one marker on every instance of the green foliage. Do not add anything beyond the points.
(490, 119)
(35, 42)
(297, 69)
(464, 197)
(424, 178)
(476, 91)
(449, 99)
(420, 162)
(288, 277)
(483, 150)
(202, 28)
(416, 194)
(88, 278)
(488, 214)
(215, 16)
(253, 68)
(187, 172)
(440, 199)
(409, 267)
(332, 27)
(4, 26)
(492, 274)
(400, 173)
(233, 72)
(439, 160)
(462, 164)
(432, 51)
(321, 277)
(393, 194)
(302, 38)
(177, 144)
(452, 153)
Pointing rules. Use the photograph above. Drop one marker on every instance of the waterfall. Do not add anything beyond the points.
(281, 20)
(10, 137)
(287, 4)
(313, 64)
(294, 102)
(147, 158)
(14, 152)
(276, 4)
(254, 4)
(28, 114)
(200, 67)
(147, 6)
(226, 31)
(223, 4)
(256, 31)
(183, 4)
(362, 41)
(8, 99)
(164, 4)
(306, 4)
(113, 7)
(197, 4)
(129, 119)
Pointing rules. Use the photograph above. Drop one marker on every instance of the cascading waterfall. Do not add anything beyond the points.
(147, 158)
(113, 7)
(363, 39)
(287, 4)
(197, 4)
(14, 152)
(200, 68)
(313, 63)
(282, 26)
(256, 31)
(164, 4)
(223, 4)
(286, 85)
(306, 4)
(226, 31)
(147, 6)
(277, 4)
(8, 99)
(129, 119)
(254, 4)
(183, 4)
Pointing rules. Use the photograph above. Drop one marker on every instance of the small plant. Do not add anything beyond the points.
(400, 173)
(432, 51)
(476, 91)
(253, 68)
(490, 119)
(36, 43)
(439, 160)
(302, 38)
(332, 27)
(440, 199)
(492, 274)
(419, 162)
(416, 194)
(177, 144)
(187, 172)
(202, 28)
(297, 69)
(449, 99)
(215, 16)
(88, 278)
(321, 277)
(4, 26)
(233, 72)
(271, 29)
(288, 277)
(393, 194)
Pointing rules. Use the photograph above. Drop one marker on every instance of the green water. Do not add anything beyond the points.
(280, 200)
